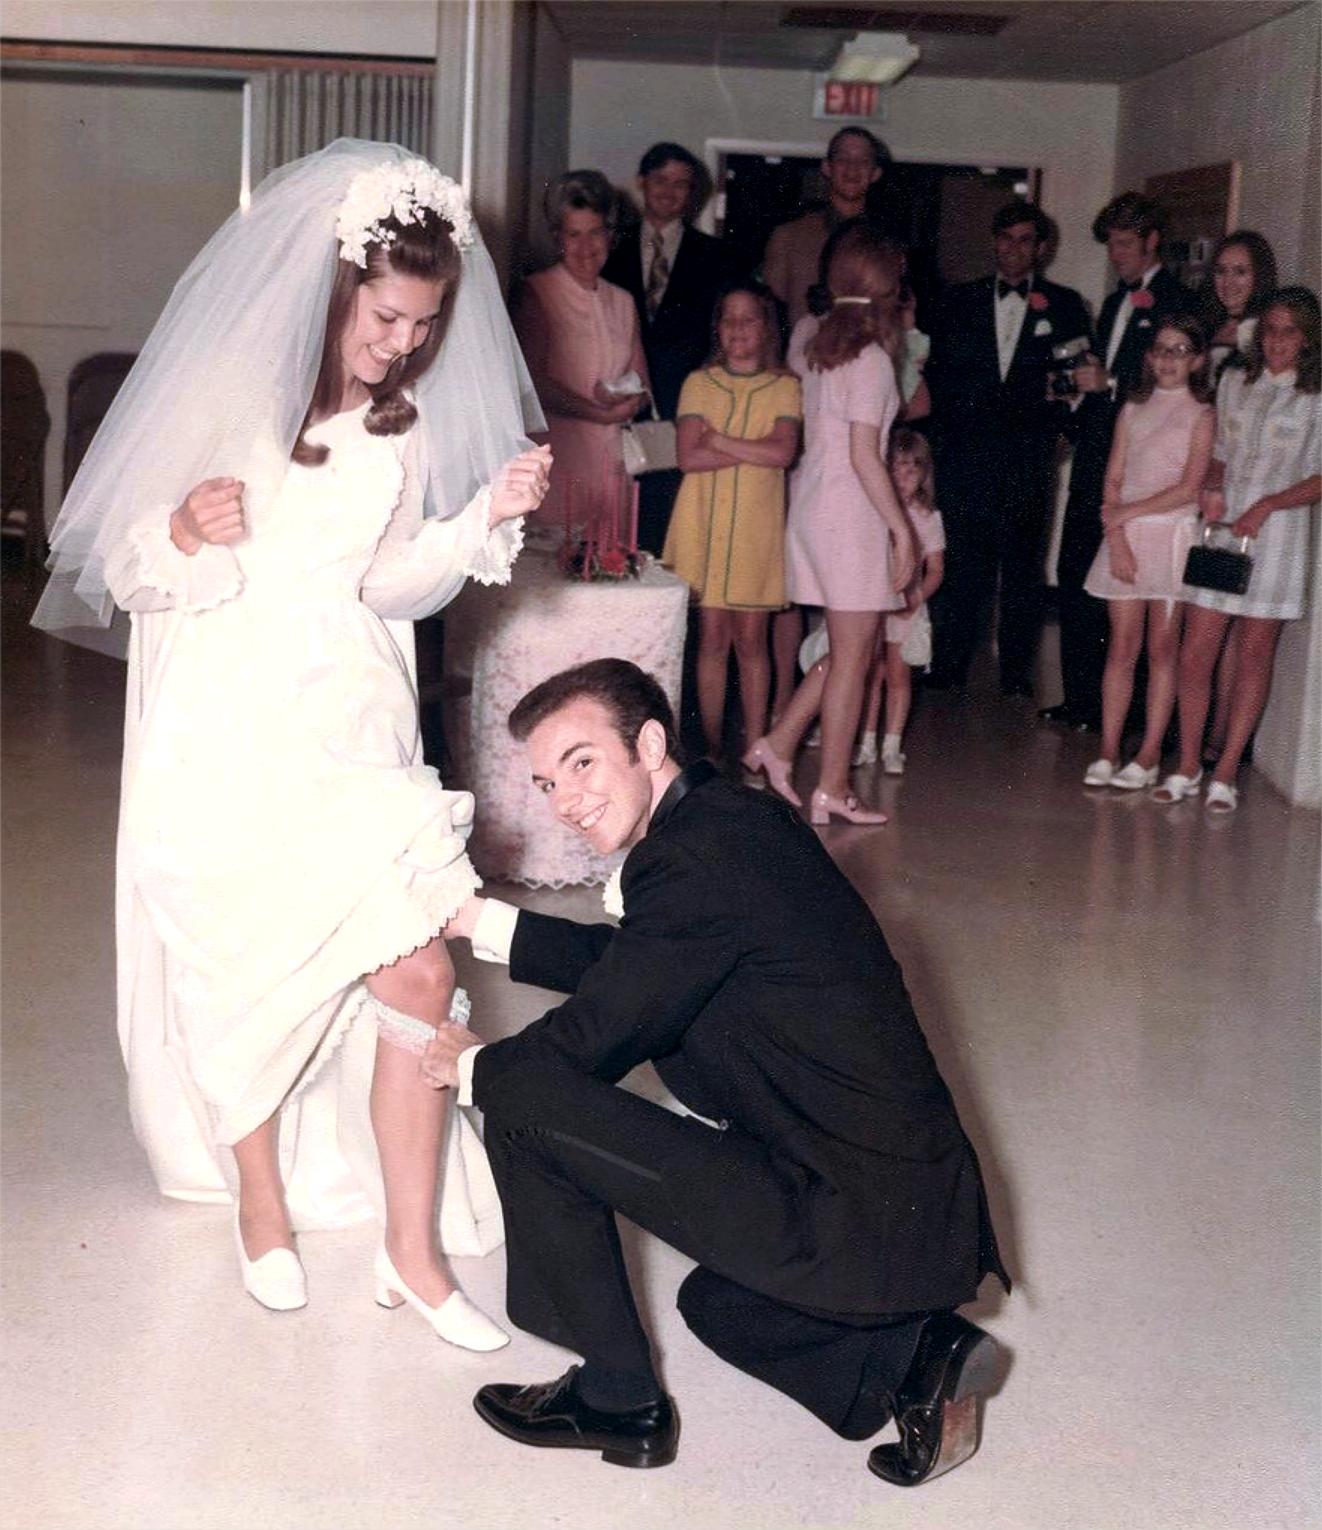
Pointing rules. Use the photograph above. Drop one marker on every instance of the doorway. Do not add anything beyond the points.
(941, 213)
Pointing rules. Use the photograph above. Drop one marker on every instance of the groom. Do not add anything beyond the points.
(822, 1181)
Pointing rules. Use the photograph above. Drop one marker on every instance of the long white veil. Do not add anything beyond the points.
(225, 377)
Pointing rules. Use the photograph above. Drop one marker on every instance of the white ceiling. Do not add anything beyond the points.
(1102, 41)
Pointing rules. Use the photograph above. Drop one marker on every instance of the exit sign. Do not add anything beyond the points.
(848, 98)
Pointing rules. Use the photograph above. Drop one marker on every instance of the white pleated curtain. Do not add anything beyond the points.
(308, 108)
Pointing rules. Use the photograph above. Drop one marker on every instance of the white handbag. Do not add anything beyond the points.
(649, 445)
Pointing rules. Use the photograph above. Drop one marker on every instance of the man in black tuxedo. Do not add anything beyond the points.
(822, 1183)
(674, 273)
(995, 430)
(1130, 227)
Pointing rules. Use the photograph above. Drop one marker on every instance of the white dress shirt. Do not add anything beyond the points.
(1123, 315)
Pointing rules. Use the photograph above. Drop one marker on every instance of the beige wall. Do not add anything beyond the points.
(110, 189)
(1068, 130)
(1255, 99)
(395, 28)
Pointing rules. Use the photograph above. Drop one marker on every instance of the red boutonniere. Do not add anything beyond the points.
(1037, 301)
(1140, 298)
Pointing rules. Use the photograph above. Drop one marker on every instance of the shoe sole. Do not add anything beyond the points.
(613, 1455)
(959, 1418)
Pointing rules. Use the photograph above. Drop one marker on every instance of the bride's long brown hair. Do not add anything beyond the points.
(864, 266)
(425, 250)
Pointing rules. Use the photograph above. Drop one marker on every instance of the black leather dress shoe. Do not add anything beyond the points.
(936, 1406)
(552, 1414)
(1060, 713)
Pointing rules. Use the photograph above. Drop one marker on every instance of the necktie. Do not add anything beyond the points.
(1004, 288)
(1131, 286)
(657, 276)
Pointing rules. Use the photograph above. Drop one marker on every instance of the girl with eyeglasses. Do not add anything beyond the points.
(1159, 459)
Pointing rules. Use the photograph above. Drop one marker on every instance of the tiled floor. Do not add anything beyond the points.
(1124, 999)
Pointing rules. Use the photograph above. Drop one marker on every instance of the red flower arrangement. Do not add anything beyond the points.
(1140, 297)
(1037, 301)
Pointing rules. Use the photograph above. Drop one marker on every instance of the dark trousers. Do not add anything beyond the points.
(991, 557)
(569, 1151)
(656, 500)
(1084, 625)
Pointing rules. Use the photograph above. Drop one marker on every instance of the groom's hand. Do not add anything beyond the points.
(462, 925)
(440, 1062)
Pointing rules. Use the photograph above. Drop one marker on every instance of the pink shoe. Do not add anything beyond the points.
(761, 756)
(849, 808)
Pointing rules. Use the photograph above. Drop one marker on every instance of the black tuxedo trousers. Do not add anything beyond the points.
(568, 1152)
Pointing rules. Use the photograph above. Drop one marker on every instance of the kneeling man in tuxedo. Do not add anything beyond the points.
(822, 1182)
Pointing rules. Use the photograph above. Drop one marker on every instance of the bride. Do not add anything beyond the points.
(322, 438)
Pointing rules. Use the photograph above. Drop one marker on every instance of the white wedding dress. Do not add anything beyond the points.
(279, 833)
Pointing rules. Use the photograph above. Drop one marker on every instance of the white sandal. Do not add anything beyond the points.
(1222, 798)
(1175, 788)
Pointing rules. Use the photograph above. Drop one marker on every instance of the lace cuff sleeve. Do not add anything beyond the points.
(419, 570)
(149, 573)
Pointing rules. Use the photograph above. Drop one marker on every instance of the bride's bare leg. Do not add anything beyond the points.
(408, 1119)
(263, 1220)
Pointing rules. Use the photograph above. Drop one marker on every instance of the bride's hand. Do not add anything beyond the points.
(521, 484)
(213, 512)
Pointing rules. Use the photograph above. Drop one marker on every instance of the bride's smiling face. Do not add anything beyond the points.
(391, 317)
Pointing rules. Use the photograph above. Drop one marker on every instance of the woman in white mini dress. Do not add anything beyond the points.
(276, 494)
(1263, 479)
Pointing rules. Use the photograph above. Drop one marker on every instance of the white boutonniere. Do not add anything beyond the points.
(612, 895)
(1042, 327)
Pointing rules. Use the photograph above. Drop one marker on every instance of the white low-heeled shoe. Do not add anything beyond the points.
(1175, 788)
(456, 1320)
(1099, 773)
(277, 1280)
(865, 751)
(1222, 798)
(1135, 777)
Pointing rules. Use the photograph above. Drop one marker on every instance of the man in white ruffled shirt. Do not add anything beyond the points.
(821, 1181)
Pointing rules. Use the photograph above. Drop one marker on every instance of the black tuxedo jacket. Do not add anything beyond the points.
(995, 437)
(1094, 420)
(754, 977)
(679, 339)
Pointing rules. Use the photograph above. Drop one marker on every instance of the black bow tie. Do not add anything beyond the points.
(1004, 288)
(1131, 286)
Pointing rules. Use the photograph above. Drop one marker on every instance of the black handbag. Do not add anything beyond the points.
(1218, 568)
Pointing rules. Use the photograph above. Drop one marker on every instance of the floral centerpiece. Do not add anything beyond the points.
(601, 529)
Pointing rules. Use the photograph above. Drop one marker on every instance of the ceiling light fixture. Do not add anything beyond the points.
(879, 58)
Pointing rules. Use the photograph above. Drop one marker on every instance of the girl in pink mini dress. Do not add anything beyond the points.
(1159, 458)
(848, 545)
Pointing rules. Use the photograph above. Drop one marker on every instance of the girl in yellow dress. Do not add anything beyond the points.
(737, 430)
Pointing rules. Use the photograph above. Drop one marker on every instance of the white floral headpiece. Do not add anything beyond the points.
(400, 190)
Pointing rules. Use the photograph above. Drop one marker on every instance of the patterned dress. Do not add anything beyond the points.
(1268, 437)
(727, 533)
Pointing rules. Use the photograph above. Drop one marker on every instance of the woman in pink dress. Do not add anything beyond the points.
(1159, 458)
(580, 337)
(848, 546)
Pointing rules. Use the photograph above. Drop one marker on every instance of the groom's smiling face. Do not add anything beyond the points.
(585, 771)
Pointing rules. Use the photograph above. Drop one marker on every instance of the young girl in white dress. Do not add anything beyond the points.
(910, 461)
(1263, 479)
(1159, 458)
(333, 375)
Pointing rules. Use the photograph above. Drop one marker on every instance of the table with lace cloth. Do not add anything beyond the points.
(502, 640)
